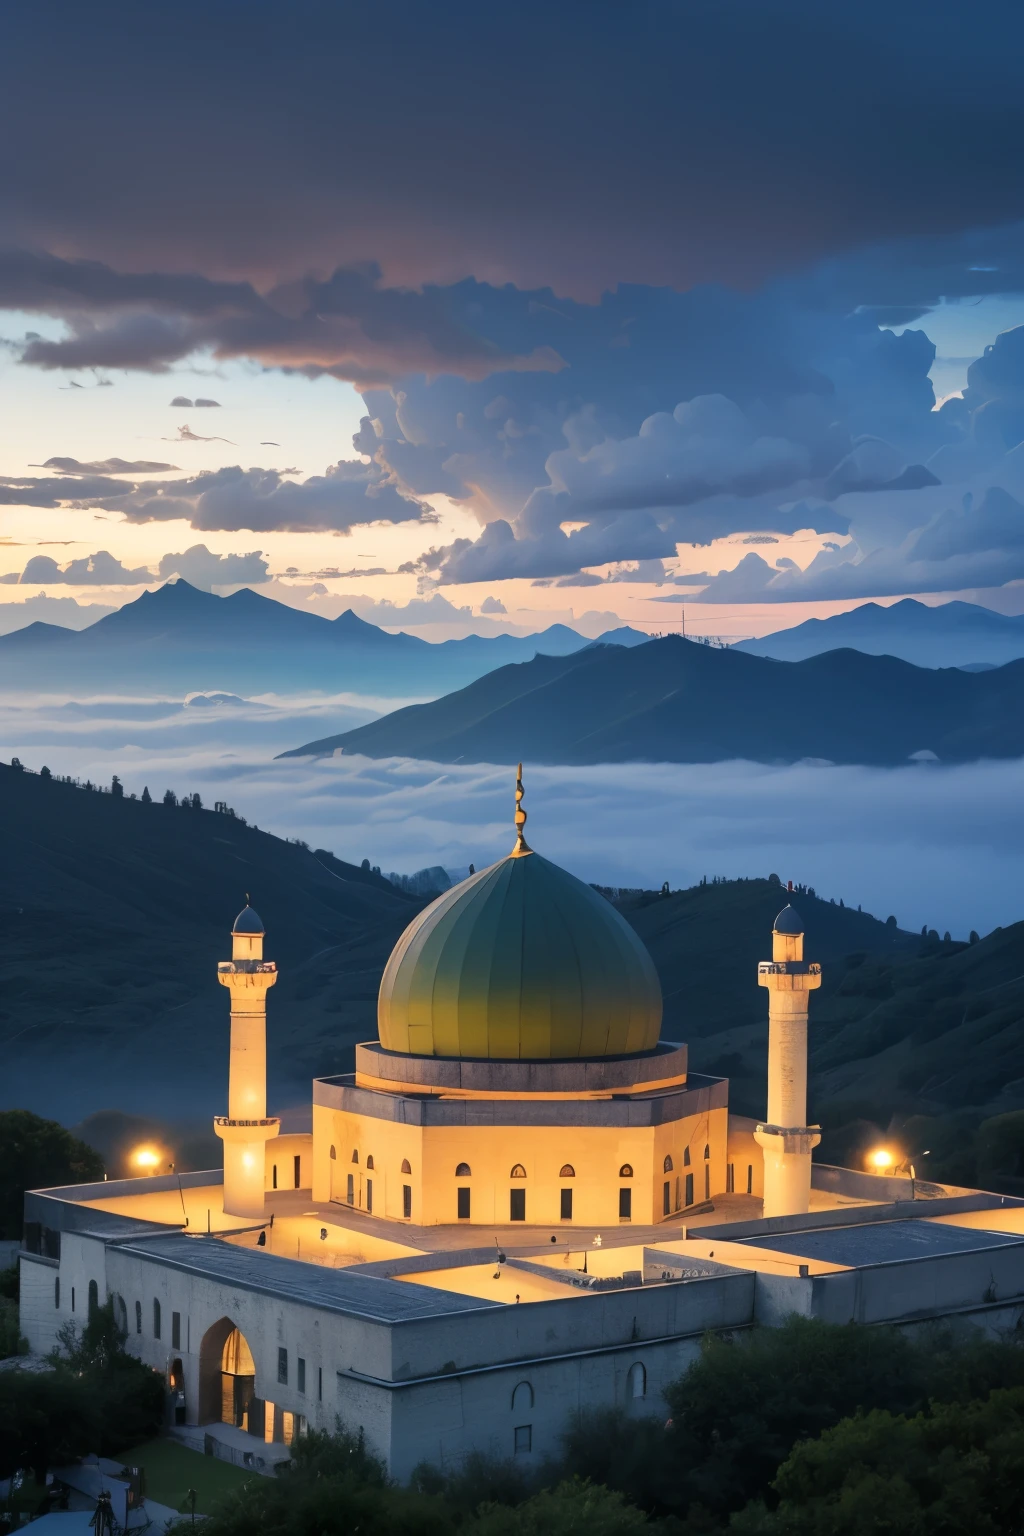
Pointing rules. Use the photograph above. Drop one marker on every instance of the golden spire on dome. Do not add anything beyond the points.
(522, 846)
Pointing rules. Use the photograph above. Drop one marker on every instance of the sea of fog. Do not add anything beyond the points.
(930, 844)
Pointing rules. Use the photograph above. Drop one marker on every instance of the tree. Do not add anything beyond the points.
(571, 1509)
(46, 1418)
(116, 788)
(332, 1487)
(44, 772)
(38, 1154)
(170, 798)
(147, 798)
(954, 1470)
(17, 765)
(128, 1397)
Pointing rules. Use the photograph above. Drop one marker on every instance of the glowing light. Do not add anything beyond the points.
(146, 1158)
(881, 1159)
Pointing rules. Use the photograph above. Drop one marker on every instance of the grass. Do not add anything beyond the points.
(172, 1469)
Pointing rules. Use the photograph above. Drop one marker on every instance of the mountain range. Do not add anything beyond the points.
(944, 635)
(178, 639)
(674, 700)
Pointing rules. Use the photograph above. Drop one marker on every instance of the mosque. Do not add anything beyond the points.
(521, 1204)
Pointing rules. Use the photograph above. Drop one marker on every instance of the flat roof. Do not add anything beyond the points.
(314, 1285)
(883, 1242)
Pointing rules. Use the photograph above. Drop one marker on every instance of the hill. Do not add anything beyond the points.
(945, 635)
(180, 640)
(113, 915)
(673, 700)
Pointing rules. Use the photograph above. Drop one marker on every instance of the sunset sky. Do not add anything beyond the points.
(492, 316)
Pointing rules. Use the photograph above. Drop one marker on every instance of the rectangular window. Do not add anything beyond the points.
(350, 1189)
(730, 1178)
(273, 1177)
(689, 1189)
(175, 1330)
(625, 1204)
(750, 1179)
(517, 1204)
(523, 1442)
(300, 1374)
(678, 1205)
(319, 1383)
(72, 1298)
(369, 1195)
(156, 1318)
(56, 1291)
(463, 1204)
(666, 1198)
(707, 1181)
(565, 1211)
(282, 1366)
(407, 1201)
(298, 1171)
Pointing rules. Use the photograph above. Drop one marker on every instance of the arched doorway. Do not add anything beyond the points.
(227, 1376)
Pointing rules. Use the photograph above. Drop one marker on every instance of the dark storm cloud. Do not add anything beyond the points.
(573, 145)
(349, 326)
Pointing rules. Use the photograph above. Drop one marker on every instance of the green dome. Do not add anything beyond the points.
(520, 962)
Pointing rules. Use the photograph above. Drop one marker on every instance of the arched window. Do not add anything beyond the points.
(463, 1171)
(518, 1172)
(120, 1314)
(56, 1291)
(522, 1397)
(369, 1165)
(707, 1151)
(668, 1165)
(686, 1157)
(138, 1317)
(406, 1166)
(156, 1318)
(567, 1171)
(625, 1172)
(94, 1299)
(355, 1154)
(334, 1152)
(636, 1381)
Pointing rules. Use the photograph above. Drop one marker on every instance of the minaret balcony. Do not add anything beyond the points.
(247, 968)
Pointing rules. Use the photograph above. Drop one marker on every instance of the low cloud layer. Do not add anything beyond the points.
(865, 835)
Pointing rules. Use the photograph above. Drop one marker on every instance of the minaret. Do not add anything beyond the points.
(246, 1129)
(785, 1138)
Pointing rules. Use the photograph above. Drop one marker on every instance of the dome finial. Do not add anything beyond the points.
(522, 846)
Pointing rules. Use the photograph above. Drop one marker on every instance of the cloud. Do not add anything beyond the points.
(201, 568)
(348, 326)
(108, 466)
(980, 544)
(183, 401)
(202, 404)
(493, 605)
(98, 570)
(232, 499)
(63, 611)
(705, 171)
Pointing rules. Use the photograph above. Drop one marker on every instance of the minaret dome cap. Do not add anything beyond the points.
(248, 921)
(788, 921)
